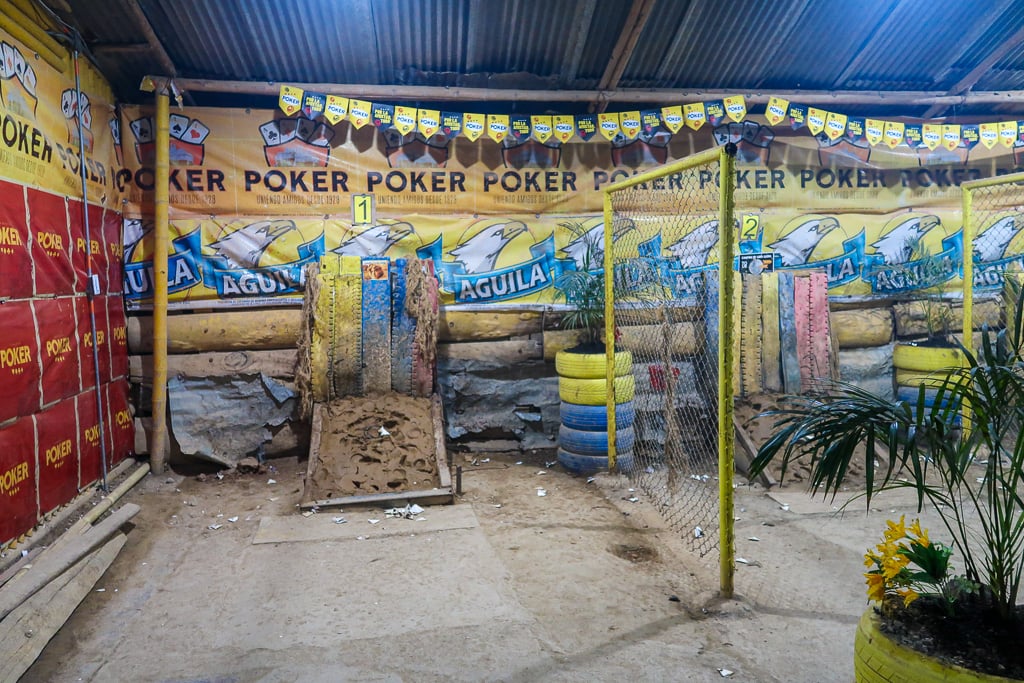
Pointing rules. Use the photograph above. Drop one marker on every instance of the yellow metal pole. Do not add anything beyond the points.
(609, 328)
(968, 290)
(726, 440)
(158, 445)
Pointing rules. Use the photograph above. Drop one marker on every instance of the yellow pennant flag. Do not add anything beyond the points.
(359, 112)
(473, 126)
(1007, 133)
(989, 134)
(428, 122)
(695, 116)
(893, 133)
(608, 124)
(835, 125)
(931, 134)
(565, 128)
(541, 126)
(816, 120)
(290, 99)
(874, 130)
(497, 126)
(405, 119)
(950, 136)
(776, 110)
(337, 108)
(736, 107)
(629, 122)
(672, 117)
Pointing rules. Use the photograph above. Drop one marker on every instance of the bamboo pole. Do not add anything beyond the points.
(609, 327)
(158, 446)
(726, 439)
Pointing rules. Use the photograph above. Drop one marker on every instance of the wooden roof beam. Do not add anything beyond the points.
(639, 12)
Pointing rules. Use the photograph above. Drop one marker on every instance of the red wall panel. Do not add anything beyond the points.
(15, 262)
(88, 439)
(79, 252)
(51, 243)
(120, 425)
(113, 246)
(59, 344)
(17, 479)
(57, 439)
(85, 341)
(19, 361)
(118, 339)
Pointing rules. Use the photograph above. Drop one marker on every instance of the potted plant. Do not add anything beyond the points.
(973, 478)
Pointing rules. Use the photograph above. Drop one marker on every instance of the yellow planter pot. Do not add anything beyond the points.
(878, 659)
(593, 392)
(591, 365)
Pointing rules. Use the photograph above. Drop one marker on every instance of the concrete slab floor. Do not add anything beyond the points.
(577, 585)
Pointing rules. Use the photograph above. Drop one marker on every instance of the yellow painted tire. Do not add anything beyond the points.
(877, 659)
(593, 392)
(926, 358)
(913, 379)
(591, 365)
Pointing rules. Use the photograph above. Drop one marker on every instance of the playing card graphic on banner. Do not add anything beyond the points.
(451, 124)
(672, 117)
(816, 120)
(931, 133)
(290, 99)
(797, 116)
(383, 115)
(1007, 133)
(519, 127)
(313, 104)
(854, 130)
(874, 131)
(969, 135)
(835, 125)
(497, 126)
(405, 119)
(629, 123)
(608, 123)
(715, 111)
(473, 125)
(359, 112)
(428, 122)
(335, 109)
(893, 133)
(989, 134)
(586, 126)
(736, 107)
(565, 128)
(541, 128)
(776, 110)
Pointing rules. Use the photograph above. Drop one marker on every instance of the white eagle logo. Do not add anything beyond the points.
(244, 248)
(479, 253)
(992, 243)
(796, 246)
(693, 249)
(899, 244)
(374, 241)
(587, 249)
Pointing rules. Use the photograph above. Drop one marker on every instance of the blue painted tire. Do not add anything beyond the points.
(595, 418)
(594, 443)
(589, 464)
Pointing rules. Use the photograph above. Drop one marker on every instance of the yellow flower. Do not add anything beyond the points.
(896, 531)
(876, 587)
(893, 565)
(909, 595)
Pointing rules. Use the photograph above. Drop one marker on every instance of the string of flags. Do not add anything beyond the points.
(644, 123)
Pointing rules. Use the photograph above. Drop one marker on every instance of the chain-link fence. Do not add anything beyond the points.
(669, 223)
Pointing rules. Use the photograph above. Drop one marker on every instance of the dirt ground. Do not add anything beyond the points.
(224, 580)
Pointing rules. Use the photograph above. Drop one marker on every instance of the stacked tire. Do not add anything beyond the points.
(583, 433)
(916, 365)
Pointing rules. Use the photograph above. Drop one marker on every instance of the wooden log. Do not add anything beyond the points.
(53, 563)
(746, 453)
(502, 352)
(911, 317)
(862, 328)
(647, 340)
(277, 363)
(558, 340)
(444, 471)
(480, 325)
(271, 328)
(27, 629)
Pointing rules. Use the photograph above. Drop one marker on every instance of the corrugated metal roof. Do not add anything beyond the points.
(875, 45)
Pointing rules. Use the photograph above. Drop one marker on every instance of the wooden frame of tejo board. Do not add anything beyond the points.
(442, 495)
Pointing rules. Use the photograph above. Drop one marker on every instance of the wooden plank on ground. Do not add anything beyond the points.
(771, 364)
(269, 328)
(26, 630)
(788, 336)
(276, 363)
(746, 454)
(440, 452)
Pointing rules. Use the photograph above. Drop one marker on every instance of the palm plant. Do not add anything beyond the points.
(970, 416)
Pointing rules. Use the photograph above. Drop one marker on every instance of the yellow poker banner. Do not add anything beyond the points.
(629, 122)
(893, 134)
(565, 128)
(816, 120)
(428, 122)
(608, 124)
(336, 109)
(672, 117)
(694, 115)
(473, 126)
(835, 125)
(950, 136)
(776, 110)
(1007, 133)
(497, 126)
(989, 134)
(359, 112)
(405, 119)
(290, 99)
(541, 126)
(874, 131)
(931, 133)
(736, 108)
